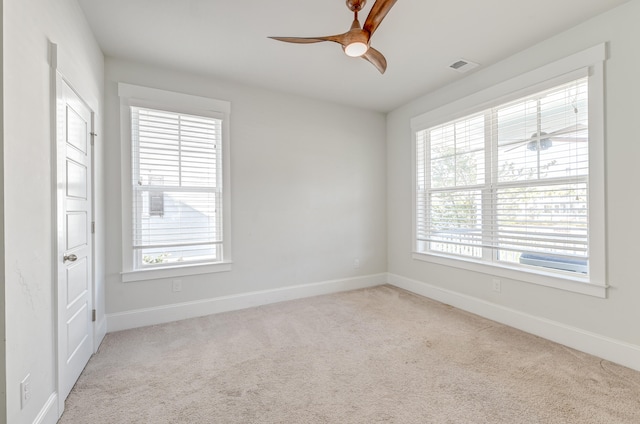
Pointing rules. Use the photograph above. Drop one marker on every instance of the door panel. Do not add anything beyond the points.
(77, 330)
(76, 180)
(76, 128)
(77, 236)
(77, 281)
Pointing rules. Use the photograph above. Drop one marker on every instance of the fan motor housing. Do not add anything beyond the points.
(542, 144)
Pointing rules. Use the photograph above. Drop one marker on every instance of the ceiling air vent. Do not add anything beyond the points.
(463, 65)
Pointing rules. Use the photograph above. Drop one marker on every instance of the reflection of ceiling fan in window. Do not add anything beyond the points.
(572, 134)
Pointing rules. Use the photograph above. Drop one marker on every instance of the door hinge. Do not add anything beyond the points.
(93, 227)
(93, 315)
(93, 137)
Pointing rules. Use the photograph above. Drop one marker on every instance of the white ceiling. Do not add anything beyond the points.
(228, 39)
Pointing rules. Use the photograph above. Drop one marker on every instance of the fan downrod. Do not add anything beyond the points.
(356, 5)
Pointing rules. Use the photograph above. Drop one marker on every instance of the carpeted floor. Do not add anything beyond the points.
(377, 355)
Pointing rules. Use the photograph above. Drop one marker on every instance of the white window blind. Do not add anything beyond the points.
(509, 184)
(176, 188)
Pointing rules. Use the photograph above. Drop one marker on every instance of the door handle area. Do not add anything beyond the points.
(70, 258)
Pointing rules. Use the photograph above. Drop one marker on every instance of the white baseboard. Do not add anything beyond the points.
(179, 311)
(604, 347)
(49, 412)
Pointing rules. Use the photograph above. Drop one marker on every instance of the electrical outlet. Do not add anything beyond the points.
(177, 286)
(495, 285)
(25, 391)
(356, 263)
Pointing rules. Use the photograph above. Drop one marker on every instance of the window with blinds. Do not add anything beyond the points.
(176, 188)
(509, 184)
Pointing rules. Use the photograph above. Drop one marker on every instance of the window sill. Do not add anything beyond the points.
(174, 271)
(570, 283)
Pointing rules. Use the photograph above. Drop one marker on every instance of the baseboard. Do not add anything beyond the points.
(175, 312)
(49, 412)
(604, 347)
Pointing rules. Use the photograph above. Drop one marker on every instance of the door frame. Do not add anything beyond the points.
(58, 146)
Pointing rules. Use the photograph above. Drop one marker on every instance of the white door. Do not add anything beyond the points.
(75, 329)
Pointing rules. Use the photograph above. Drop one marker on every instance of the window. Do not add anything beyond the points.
(176, 189)
(515, 184)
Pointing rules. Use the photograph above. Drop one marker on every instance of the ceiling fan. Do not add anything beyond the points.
(356, 41)
(573, 133)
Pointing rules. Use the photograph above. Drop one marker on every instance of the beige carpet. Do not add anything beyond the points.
(377, 355)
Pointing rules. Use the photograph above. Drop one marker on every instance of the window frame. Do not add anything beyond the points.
(145, 97)
(589, 62)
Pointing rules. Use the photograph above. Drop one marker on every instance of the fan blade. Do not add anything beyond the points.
(516, 147)
(377, 14)
(306, 40)
(376, 59)
(571, 129)
(570, 139)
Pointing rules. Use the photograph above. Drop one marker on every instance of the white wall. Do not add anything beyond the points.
(307, 191)
(616, 317)
(28, 26)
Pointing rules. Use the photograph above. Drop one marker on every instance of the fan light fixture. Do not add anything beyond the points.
(356, 49)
